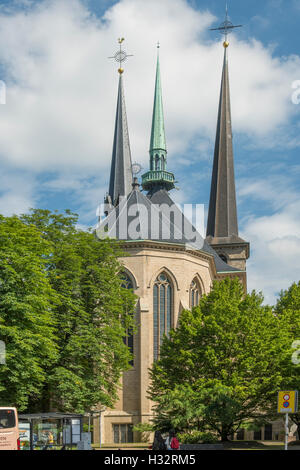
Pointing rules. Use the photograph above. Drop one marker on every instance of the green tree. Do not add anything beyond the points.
(92, 317)
(288, 310)
(225, 354)
(26, 320)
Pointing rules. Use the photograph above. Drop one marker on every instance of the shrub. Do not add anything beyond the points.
(197, 437)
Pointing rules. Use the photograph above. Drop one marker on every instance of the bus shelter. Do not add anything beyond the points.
(50, 430)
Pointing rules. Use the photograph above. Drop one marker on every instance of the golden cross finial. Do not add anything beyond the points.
(226, 28)
(120, 56)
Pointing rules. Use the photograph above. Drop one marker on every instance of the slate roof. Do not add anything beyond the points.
(138, 218)
(163, 197)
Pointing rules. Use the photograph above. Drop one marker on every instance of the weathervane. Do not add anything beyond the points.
(120, 56)
(226, 28)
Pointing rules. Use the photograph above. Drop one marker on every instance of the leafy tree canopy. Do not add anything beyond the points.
(27, 304)
(288, 311)
(226, 355)
(81, 304)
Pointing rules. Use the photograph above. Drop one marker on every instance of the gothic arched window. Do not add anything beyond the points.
(128, 339)
(195, 293)
(126, 281)
(162, 310)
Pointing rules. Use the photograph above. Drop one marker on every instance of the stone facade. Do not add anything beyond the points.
(273, 432)
(146, 261)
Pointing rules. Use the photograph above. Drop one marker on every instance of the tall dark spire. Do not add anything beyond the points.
(120, 183)
(222, 224)
(121, 179)
(222, 214)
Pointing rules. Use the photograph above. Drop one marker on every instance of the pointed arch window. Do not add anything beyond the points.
(162, 310)
(195, 293)
(126, 281)
(128, 339)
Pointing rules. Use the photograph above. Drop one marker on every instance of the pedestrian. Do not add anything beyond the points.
(168, 440)
(158, 443)
(175, 443)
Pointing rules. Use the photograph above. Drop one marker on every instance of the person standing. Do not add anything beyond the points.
(174, 444)
(168, 441)
(158, 443)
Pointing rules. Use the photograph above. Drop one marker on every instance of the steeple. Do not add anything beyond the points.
(222, 224)
(158, 178)
(158, 138)
(222, 215)
(121, 179)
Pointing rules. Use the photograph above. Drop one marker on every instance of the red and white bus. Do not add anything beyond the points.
(9, 429)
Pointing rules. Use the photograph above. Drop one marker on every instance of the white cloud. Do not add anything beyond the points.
(61, 98)
(277, 191)
(275, 239)
(62, 87)
(17, 193)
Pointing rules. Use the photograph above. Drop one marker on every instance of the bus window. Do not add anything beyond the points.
(9, 432)
(7, 419)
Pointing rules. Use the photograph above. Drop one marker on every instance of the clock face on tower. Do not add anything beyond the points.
(136, 168)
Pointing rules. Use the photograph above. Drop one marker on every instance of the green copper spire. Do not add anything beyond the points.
(158, 178)
(158, 138)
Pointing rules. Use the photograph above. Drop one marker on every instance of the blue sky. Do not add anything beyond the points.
(56, 129)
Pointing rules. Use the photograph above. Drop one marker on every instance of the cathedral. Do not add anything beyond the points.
(168, 263)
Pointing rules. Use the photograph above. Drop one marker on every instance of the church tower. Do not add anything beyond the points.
(222, 225)
(167, 263)
(158, 177)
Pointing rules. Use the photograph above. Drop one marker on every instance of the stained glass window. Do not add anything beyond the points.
(126, 281)
(162, 310)
(128, 339)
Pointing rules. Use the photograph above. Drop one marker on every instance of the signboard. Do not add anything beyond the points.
(24, 434)
(287, 401)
